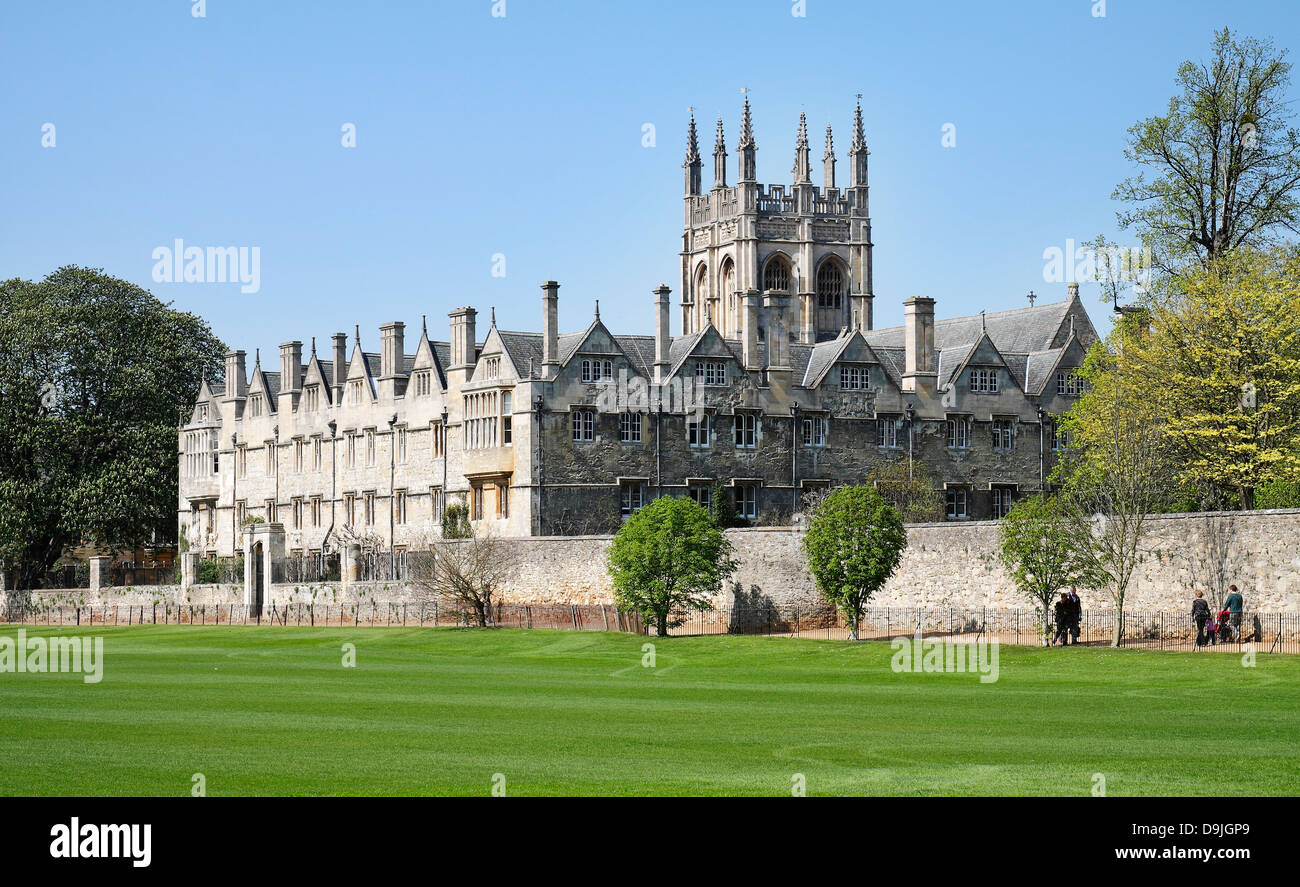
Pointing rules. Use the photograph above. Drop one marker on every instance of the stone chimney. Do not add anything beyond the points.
(778, 339)
(1074, 292)
(463, 343)
(919, 364)
(392, 338)
(550, 329)
(291, 366)
(236, 375)
(662, 339)
(749, 307)
(339, 363)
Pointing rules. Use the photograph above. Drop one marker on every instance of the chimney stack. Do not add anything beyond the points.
(1074, 292)
(236, 375)
(392, 338)
(662, 340)
(918, 343)
(291, 366)
(463, 343)
(550, 329)
(340, 363)
(778, 343)
(749, 329)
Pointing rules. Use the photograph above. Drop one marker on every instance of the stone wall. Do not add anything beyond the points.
(945, 565)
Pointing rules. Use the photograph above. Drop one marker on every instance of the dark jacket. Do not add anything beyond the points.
(1200, 609)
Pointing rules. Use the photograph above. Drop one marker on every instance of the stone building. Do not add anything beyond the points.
(777, 385)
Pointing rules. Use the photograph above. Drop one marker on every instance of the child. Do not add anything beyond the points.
(1212, 631)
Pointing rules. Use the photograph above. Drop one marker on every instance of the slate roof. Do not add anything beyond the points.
(1017, 331)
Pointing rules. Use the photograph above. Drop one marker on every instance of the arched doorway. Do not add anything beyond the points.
(259, 582)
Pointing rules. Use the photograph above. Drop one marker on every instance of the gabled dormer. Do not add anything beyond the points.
(705, 358)
(207, 408)
(359, 387)
(985, 371)
(846, 363)
(263, 388)
(427, 375)
(317, 388)
(594, 355)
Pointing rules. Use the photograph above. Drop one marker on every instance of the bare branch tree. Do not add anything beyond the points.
(466, 572)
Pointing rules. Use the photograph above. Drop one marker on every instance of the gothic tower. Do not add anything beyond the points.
(812, 245)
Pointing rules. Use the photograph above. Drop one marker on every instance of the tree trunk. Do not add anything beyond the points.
(661, 624)
(1047, 631)
(1117, 633)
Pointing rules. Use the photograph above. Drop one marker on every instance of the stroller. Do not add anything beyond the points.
(1224, 627)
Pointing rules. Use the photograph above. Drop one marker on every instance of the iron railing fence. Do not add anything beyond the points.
(306, 569)
(220, 571)
(367, 614)
(1262, 632)
(121, 575)
(394, 566)
(1155, 630)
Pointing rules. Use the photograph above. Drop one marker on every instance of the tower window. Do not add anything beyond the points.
(830, 285)
(776, 274)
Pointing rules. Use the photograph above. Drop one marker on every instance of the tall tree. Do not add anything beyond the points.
(1221, 168)
(1036, 545)
(1117, 470)
(1222, 353)
(669, 557)
(94, 374)
(854, 543)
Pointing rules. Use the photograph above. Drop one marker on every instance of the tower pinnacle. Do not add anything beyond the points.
(720, 159)
(748, 172)
(693, 164)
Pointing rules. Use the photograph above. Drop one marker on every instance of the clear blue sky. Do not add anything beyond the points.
(522, 135)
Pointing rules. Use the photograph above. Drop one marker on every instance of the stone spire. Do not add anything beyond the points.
(858, 151)
(828, 159)
(746, 147)
(802, 156)
(693, 164)
(720, 159)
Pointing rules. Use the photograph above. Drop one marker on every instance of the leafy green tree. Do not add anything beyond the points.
(908, 488)
(94, 374)
(1117, 470)
(455, 522)
(1036, 546)
(1221, 169)
(854, 543)
(1222, 353)
(669, 557)
(722, 508)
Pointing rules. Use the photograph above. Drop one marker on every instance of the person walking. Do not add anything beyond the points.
(1064, 611)
(1234, 605)
(1077, 615)
(1200, 615)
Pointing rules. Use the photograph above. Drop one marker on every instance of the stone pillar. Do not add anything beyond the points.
(99, 573)
(350, 566)
(189, 568)
(270, 538)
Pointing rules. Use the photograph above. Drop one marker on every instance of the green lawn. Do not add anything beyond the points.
(272, 711)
